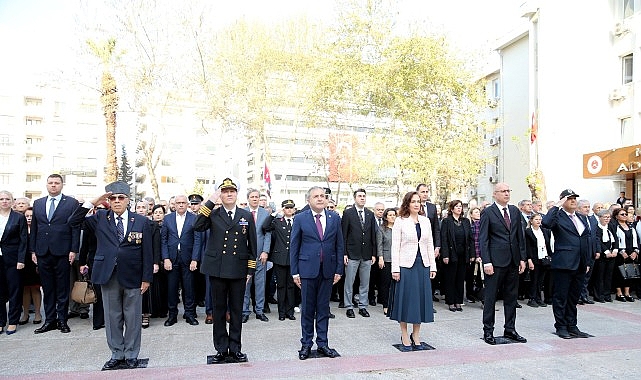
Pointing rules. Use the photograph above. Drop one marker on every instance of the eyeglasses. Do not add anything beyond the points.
(118, 197)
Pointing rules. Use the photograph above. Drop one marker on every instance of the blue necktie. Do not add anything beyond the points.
(52, 209)
(121, 229)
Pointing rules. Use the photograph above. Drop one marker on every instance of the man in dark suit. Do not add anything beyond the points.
(431, 212)
(571, 259)
(54, 242)
(502, 246)
(583, 208)
(180, 250)
(123, 267)
(229, 261)
(281, 228)
(359, 232)
(316, 252)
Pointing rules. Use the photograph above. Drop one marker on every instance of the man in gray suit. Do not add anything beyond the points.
(264, 240)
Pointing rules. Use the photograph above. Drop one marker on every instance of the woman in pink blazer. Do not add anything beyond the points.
(413, 265)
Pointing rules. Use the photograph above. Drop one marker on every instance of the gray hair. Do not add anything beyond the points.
(251, 190)
(603, 213)
(582, 202)
(309, 192)
(7, 193)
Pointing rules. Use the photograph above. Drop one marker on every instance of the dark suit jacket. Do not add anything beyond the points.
(231, 245)
(14, 240)
(610, 245)
(448, 241)
(531, 244)
(501, 246)
(279, 252)
(432, 214)
(571, 250)
(189, 239)
(360, 241)
(133, 257)
(306, 244)
(62, 234)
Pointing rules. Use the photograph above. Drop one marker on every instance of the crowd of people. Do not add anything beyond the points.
(234, 260)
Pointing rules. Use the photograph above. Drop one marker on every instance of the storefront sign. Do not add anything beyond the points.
(612, 162)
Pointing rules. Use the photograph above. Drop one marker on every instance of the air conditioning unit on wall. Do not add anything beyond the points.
(495, 140)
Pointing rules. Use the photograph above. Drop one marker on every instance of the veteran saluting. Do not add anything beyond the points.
(229, 261)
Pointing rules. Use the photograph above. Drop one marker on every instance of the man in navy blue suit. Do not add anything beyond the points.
(54, 242)
(571, 259)
(316, 263)
(180, 249)
(123, 267)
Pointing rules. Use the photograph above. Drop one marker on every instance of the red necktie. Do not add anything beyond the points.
(319, 228)
(506, 216)
(254, 215)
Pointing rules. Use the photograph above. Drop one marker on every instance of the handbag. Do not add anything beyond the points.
(546, 261)
(83, 292)
(477, 282)
(629, 271)
(390, 299)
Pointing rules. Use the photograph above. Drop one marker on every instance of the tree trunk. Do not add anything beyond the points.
(109, 100)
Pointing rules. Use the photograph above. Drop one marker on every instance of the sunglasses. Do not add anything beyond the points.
(623, 214)
(331, 207)
(118, 197)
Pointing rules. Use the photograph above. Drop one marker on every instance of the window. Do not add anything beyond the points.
(627, 133)
(5, 159)
(30, 120)
(5, 140)
(30, 101)
(628, 8)
(4, 178)
(627, 68)
(167, 179)
(33, 178)
(496, 89)
(203, 181)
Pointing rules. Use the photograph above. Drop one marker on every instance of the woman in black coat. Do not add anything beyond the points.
(604, 262)
(538, 249)
(456, 251)
(13, 251)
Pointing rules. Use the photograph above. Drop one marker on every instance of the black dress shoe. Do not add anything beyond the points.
(341, 305)
(518, 305)
(350, 313)
(292, 317)
(599, 300)
(363, 313)
(620, 298)
(580, 301)
(171, 321)
(99, 327)
(131, 363)
(563, 333)
(488, 337)
(532, 303)
(266, 309)
(335, 299)
(63, 327)
(72, 314)
(514, 336)
(304, 352)
(201, 304)
(331, 316)
(629, 298)
(372, 303)
(588, 301)
(575, 332)
(238, 356)
(272, 300)
(218, 358)
(281, 317)
(435, 298)
(192, 321)
(541, 304)
(113, 364)
(84, 315)
(262, 317)
(245, 318)
(328, 352)
(209, 319)
(22, 323)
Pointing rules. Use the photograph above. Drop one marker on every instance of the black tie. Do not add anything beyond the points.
(506, 216)
(289, 223)
(360, 216)
(230, 217)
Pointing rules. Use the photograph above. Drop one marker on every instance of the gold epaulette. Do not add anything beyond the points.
(251, 264)
(204, 210)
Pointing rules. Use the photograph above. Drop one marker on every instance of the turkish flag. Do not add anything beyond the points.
(268, 180)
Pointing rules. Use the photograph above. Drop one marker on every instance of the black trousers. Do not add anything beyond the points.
(507, 280)
(227, 292)
(602, 275)
(54, 277)
(374, 280)
(285, 288)
(539, 281)
(10, 290)
(453, 280)
(180, 273)
(567, 289)
(384, 283)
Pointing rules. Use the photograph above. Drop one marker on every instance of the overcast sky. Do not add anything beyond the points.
(39, 34)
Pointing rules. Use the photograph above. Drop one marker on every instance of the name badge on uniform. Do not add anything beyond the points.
(243, 222)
